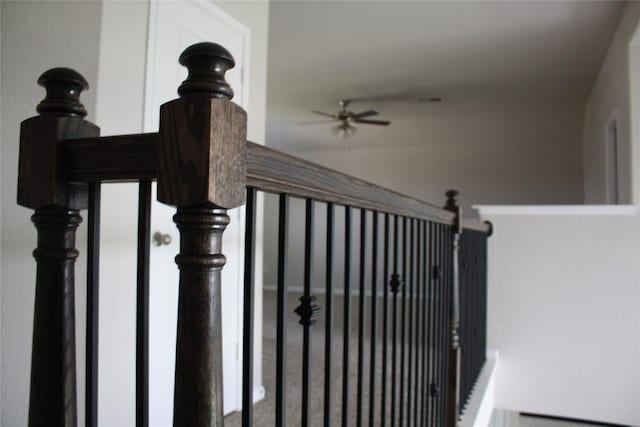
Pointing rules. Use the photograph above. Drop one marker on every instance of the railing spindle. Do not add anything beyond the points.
(417, 346)
(403, 329)
(93, 305)
(385, 324)
(307, 311)
(328, 343)
(346, 353)
(374, 320)
(248, 309)
(281, 340)
(362, 316)
(142, 305)
(395, 287)
(411, 301)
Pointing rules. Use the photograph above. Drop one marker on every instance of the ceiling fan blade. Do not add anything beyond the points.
(367, 113)
(373, 122)
(322, 113)
(316, 122)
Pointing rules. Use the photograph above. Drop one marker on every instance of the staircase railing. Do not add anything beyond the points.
(417, 272)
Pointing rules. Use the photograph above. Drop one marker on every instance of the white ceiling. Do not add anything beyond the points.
(471, 53)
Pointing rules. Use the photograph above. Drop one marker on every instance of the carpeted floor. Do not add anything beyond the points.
(264, 411)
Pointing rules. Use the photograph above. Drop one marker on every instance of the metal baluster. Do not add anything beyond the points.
(424, 398)
(281, 343)
(346, 354)
(403, 334)
(374, 320)
(307, 311)
(328, 346)
(93, 305)
(417, 347)
(409, 345)
(142, 307)
(362, 314)
(248, 311)
(385, 324)
(395, 286)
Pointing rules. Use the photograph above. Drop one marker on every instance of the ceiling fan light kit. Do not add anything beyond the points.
(346, 119)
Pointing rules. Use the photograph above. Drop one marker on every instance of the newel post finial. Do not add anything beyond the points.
(207, 63)
(452, 200)
(63, 86)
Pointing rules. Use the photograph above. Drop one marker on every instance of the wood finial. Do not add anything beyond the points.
(63, 86)
(452, 200)
(207, 63)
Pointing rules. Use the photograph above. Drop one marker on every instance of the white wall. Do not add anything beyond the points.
(36, 36)
(610, 97)
(564, 292)
(505, 153)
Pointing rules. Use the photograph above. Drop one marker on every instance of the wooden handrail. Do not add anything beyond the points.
(132, 157)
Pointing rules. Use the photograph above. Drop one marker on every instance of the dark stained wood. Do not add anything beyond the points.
(52, 399)
(477, 225)
(41, 181)
(111, 158)
(453, 356)
(198, 376)
(201, 170)
(271, 170)
(41, 185)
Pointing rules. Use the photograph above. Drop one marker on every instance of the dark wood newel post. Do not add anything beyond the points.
(42, 186)
(201, 171)
(453, 374)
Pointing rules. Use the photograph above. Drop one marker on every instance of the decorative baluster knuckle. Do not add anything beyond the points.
(201, 245)
(395, 283)
(207, 63)
(202, 143)
(307, 310)
(435, 272)
(63, 86)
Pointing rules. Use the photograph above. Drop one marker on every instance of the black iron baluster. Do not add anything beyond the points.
(142, 309)
(247, 321)
(362, 314)
(307, 311)
(374, 320)
(328, 344)
(403, 329)
(417, 347)
(426, 255)
(435, 242)
(346, 354)
(447, 285)
(395, 287)
(410, 344)
(93, 305)
(281, 341)
(385, 324)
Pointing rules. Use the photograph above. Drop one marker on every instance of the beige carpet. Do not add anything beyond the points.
(264, 411)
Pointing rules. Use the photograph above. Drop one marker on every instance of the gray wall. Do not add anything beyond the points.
(35, 36)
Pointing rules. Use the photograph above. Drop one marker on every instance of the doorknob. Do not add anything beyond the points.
(160, 239)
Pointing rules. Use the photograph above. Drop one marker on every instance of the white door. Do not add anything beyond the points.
(173, 26)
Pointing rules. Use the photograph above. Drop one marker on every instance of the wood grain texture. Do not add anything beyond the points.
(111, 158)
(274, 171)
(41, 178)
(198, 374)
(52, 399)
(202, 152)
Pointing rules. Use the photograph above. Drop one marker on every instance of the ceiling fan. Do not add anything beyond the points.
(345, 118)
